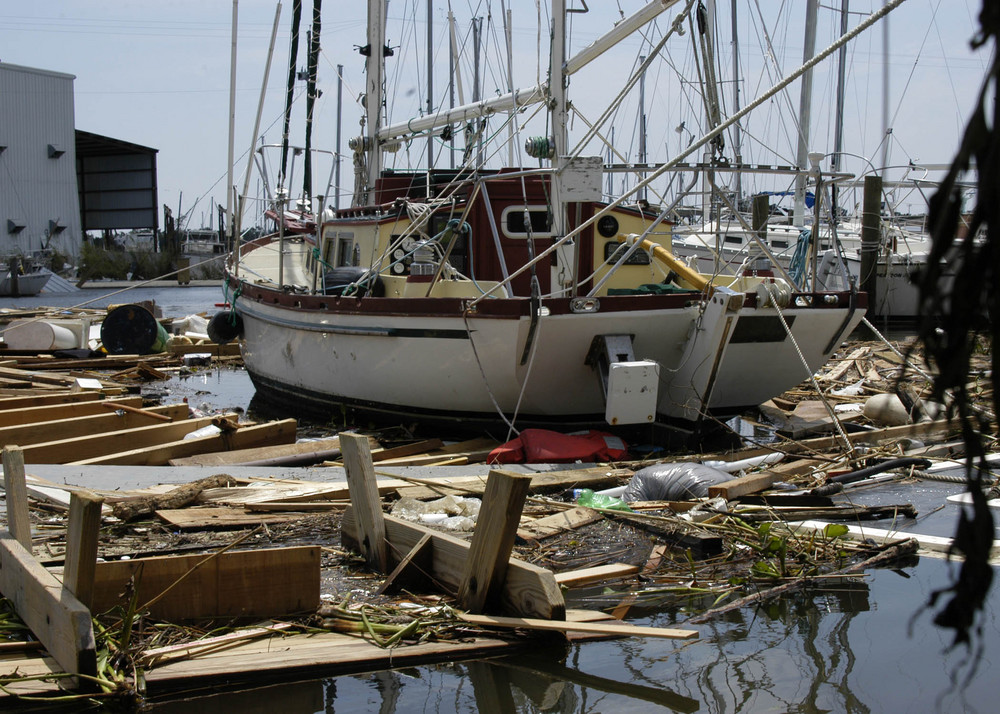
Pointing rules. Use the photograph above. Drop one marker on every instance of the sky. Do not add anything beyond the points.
(158, 74)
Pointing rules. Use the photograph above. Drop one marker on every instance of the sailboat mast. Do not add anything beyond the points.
(557, 94)
(737, 134)
(430, 87)
(838, 137)
(374, 80)
(232, 129)
(805, 109)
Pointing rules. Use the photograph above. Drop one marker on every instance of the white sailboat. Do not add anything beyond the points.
(475, 297)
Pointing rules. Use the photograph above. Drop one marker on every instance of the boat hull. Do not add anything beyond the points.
(429, 360)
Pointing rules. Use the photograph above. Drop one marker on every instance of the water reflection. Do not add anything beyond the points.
(841, 647)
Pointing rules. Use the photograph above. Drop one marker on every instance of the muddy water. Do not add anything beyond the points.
(861, 645)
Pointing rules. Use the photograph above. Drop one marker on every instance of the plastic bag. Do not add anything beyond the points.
(673, 482)
(600, 500)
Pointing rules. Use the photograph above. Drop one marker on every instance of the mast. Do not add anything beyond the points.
(642, 122)
(838, 136)
(375, 52)
(232, 129)
(430, 87)
(737, 133)
(336, 158)
(805, 105)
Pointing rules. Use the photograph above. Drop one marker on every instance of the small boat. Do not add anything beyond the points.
(511, 297)
(22, 278)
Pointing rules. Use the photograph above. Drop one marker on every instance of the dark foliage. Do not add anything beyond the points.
(960, 321)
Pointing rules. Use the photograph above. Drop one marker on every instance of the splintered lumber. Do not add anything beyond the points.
(493, 540)
(472, 450)
(364, 496)
(528, 589)
(52, 613)
(88, 425)
(396, 452)
(160, 454)
(557, 523)
(273, 582)
(595, 477)
(202, 518)
(206, 644)
(47, 400)
(844, 365)
(16, 491)
(81, 545)
(51, 412)
(79, 448)
(286, 454)
(179, 497)
(743, 485)
(586, 576)
(601, 628)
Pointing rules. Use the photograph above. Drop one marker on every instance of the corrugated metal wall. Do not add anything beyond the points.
(39, 204)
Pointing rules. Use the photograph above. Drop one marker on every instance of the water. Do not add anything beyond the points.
(861, 645)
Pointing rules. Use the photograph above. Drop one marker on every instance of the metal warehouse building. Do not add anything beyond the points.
(48, 170)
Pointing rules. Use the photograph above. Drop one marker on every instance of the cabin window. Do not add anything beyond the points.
(512, 222)
(734, 239)
(345, 249)
(779, 243)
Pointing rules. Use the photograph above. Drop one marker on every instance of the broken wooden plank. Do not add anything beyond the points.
(81, 545)
(844, 365)
(201, 518)
(51, 612)
(28, 434)
(397, 452)
(595, 477)
(272, 582)
(286, 454)
(152, 413)
(493, 540)
(160, 454)
(19, 402)
(586, 576)
(18, 520)
(558, 523)
(76, 449)
(528, 590)
(364, 496)
(751, 483)
(603, 628)
(158, 655)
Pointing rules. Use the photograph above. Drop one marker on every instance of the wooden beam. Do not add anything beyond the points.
(752, 483)
(493, 540)
(557, 523)
(183, 495)
(66, 397)
(528, 590)
(364, 496)
(16, 491)
(81, 545)
(586, 576)
(600, 628)
(27, 434)
(51, 412)
(160, 454)
(595, 477)
(77, 449)
(273, 582)
(306, 451)
(52, 613)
